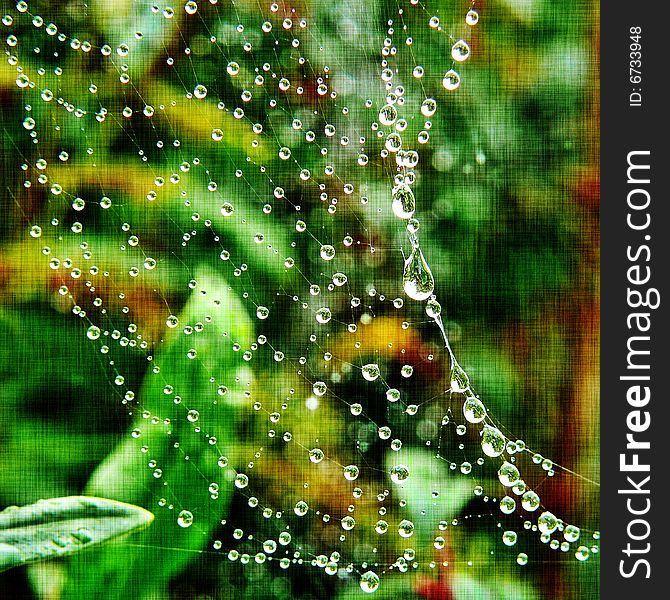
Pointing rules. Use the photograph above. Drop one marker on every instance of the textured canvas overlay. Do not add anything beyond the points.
(299, 300)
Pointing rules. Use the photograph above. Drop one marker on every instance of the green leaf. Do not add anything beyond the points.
(491, 586)
(148, 563)
(62, 526)
(426, 477)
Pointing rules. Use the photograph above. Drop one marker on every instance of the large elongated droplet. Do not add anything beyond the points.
(404, 203)
(459, 378)
(417, 279)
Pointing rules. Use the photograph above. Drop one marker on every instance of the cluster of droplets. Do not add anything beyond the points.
(267, 84)
(418, 280)
(419, 285)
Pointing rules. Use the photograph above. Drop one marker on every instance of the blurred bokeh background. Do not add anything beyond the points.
(507, 192)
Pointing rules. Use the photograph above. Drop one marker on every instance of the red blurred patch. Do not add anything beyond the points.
(431, 589)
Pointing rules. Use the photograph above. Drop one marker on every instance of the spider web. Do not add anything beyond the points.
(233, 200)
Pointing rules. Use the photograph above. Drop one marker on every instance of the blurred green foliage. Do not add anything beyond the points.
(507, 190)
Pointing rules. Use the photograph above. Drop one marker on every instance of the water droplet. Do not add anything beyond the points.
(388, 114)
(428, 107)
(393, 142)
(323, 315)
(507, 505)
(371, 372)
(381, 527)
(35, 231)
(185, 518)
(327, 252)
(519, 487)
(474, 410)
(351, 472)
(284, 538)
(399, 474)
(406, 528)
(301, 508)
(200, 91)
(522, 559)
(22, 81)
(418, 281)
(83, 536)
(508, 474)
(571, 533)
(547, 522)
(433, 308)
(316, 455)
(403, 202)
(451, 80)
(472, 18)
(392, 395)
(339, 279)
(530, 501)
(319, 388)
(384, 432)
(509, 538)
(493, 442)
(459, 378)
(460, 51)
(369, 582)
(93, 332)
